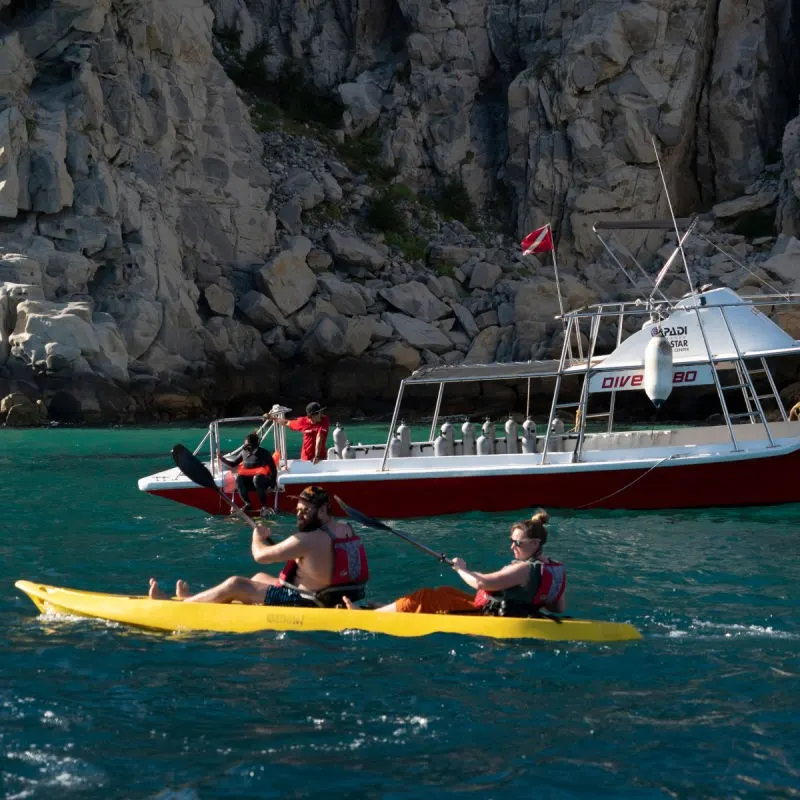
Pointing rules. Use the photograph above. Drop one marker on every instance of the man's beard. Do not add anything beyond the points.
(310, 523)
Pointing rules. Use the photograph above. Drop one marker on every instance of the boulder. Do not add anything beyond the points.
(261, 311)
(416, 300)
(286, 278)
(484, 347)
(419, 334)
(484, 275)
(302, 185)
(402, 355)
(71, 330)
(19, 411)
(352, 251)
(344, 296)
(11, 295)
(220, 300)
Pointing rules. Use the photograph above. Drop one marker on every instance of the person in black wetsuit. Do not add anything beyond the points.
(255, 470)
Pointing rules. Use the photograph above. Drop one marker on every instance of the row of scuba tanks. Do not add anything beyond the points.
(517, 439)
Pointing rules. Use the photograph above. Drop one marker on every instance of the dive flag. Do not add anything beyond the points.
(538, 241)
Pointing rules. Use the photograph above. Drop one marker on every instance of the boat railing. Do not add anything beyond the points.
(261, 426)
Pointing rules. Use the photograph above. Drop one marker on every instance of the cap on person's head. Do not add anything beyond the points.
(314, 496)
(314, 408)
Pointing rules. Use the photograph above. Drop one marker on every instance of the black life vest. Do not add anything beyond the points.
(546, 583)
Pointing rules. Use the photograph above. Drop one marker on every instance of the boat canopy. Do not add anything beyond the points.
(463, 373)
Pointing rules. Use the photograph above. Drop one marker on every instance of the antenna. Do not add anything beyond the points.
(672, 214)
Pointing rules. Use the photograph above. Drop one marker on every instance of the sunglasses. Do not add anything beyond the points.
(519, 542)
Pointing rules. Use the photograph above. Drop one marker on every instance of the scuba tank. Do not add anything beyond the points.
(529, 436)
(348, 452)
(443, 445)
(485, 443)
(333, 454)
(512, 444)
(339, 439)
(394, 447)
(468, 438)
(404, 434)
(557, 428)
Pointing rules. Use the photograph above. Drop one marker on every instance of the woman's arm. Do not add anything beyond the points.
(510, 575)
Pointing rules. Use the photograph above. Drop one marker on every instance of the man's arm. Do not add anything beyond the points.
(320, 444)
(266, 551)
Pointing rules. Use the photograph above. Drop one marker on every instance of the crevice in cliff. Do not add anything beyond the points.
(703, 161)
(783, 66)
(18, 9)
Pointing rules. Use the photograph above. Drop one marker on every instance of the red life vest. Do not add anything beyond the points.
(246, 471)
(349, 575)
(546, 583)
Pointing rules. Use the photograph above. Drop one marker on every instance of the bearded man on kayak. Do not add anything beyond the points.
(325, 560)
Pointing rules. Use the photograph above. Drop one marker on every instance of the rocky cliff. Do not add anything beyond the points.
(210, 206)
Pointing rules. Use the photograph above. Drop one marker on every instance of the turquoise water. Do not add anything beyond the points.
(706, 706)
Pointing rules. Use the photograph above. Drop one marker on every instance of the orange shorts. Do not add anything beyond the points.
(435, 601)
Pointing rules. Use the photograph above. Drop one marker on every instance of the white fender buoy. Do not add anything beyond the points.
(658, 369)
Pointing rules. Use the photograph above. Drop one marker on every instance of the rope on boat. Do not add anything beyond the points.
(627, 485)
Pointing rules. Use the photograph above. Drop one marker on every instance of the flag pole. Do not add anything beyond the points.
(555, 269)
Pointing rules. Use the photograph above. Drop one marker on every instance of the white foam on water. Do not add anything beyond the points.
(707, 629)
(731, 630)
(59, 616)
(56, 773)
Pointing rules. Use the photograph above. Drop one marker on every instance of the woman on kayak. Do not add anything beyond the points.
(531, 582)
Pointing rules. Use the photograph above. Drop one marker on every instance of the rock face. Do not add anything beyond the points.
(161, 258)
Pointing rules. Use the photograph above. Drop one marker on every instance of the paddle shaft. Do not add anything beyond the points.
(371, 522)
(195, 470)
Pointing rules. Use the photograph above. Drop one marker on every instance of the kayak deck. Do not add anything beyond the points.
(173, 615)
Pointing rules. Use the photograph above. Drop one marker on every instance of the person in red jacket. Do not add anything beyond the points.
(314, 427)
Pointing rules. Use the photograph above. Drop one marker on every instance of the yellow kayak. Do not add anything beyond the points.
(174, 615)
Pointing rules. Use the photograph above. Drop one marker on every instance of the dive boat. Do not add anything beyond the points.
(174, 615)
(711, 337)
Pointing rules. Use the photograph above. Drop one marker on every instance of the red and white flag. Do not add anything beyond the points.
(538, 241)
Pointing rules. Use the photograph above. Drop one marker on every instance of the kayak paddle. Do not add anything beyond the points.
(371, 522)
(196, 471)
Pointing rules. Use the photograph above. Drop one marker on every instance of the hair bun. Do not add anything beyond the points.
(540, 516)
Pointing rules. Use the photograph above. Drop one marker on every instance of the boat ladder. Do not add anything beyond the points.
(744, 382)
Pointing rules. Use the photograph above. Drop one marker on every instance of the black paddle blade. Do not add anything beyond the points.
(192, 467)
(370, 522)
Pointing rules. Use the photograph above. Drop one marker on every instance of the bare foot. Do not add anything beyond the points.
(182, 590)
(154, 593)
(348, 603)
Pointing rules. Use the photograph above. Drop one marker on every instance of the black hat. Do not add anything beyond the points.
(314, 408)
(252, 440)
(314, 496)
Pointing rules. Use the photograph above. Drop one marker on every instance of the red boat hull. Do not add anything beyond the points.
(735, 482)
